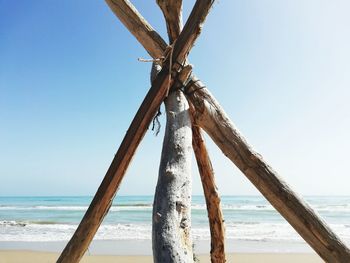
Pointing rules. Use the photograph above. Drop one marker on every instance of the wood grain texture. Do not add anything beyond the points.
(149, 38)
(171, 221)
(192, 28)
(212, 118)
(212, 198)
(172, 11)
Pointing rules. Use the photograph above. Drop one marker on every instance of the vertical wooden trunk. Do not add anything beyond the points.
(171, 233)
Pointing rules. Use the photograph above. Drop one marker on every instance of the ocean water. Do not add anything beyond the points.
(249, 218)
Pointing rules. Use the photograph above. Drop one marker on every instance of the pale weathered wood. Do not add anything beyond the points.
(171, 221)
(172, 11)
(310, 226)
(193, 27)
(212, 118)
(171, 227)
(103, 198)
(212, 198)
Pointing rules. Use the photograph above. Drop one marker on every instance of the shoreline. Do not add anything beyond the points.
(144, 247)
(14, 256)
(128, 251)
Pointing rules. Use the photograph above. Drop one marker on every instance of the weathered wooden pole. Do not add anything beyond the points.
(212, 118)
(171, 232)
(171, 221)
(212, 198)
(138, 26)
(172, 11)
(297, 212)
(103, 198)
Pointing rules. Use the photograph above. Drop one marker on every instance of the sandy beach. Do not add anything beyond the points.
(14, 256)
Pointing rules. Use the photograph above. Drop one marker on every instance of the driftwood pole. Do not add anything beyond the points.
(138, 26)
(171, 220)
(171, 231)
(172, 11)
(299, 214)
(212, 198)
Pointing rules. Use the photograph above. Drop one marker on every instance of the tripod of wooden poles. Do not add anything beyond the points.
(190, 108)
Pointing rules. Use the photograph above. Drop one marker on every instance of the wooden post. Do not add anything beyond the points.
(212, 198)
(171, 231)
(171, 224)
(297, 212)
(171, 221)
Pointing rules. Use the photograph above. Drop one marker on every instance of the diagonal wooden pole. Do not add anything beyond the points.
(139, 27)
(296, 211)
(212, 198)
(172, 11)
(103, 198)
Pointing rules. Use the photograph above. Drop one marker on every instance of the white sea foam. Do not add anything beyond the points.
(247, 218)
(261, 207)
(22, 231)
(72, 208)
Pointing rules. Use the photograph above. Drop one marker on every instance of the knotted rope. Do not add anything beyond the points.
(167, 55)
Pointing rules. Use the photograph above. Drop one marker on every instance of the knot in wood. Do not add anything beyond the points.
(180, 206)
(157, 217)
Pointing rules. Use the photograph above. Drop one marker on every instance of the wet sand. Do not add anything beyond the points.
(18, 256)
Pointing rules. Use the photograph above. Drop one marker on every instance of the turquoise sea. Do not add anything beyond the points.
(246, 218)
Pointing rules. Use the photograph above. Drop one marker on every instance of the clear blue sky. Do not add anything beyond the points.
(70, 84)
